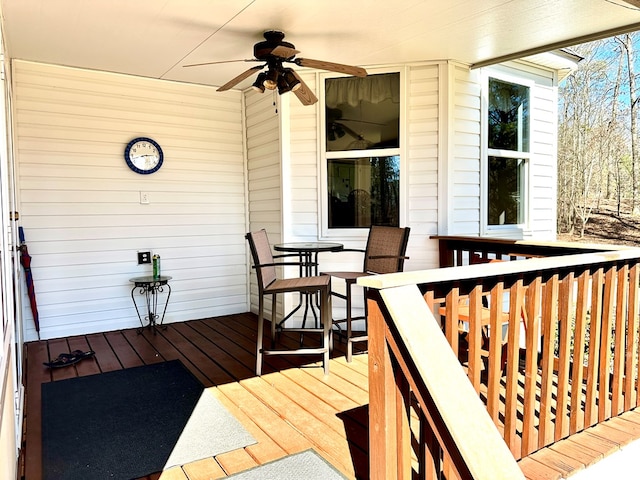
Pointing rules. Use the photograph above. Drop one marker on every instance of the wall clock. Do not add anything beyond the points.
(143, 155)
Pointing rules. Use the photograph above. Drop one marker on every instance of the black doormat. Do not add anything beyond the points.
(126, 424)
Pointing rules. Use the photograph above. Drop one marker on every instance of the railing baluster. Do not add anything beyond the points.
(565, 301)
(516, 298)
(451, 317)
(494, 362)
(593, 368)
(475, 336)
(608, 303)
(549, 329)
(532, 318)
(617, 400)
(403, 407)
(576, 422)
(632, 398)
(430, 453)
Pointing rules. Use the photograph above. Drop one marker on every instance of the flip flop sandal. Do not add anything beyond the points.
(65, 359)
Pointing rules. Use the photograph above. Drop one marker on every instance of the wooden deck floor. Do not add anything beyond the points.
(291, 408)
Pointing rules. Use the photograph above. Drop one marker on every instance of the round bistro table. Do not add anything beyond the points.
(308, 255)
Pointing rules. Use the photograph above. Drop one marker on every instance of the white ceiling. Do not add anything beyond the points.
(154, 38)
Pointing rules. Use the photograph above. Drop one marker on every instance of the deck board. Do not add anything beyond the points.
(291, 408)
(265, 449)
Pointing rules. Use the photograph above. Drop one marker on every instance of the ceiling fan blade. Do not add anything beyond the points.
(332, 67)
(222, 61)
(284, 52)
(246, 74)
(304, 93)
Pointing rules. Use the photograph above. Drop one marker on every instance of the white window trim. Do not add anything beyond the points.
(323, 218)
(515, 230)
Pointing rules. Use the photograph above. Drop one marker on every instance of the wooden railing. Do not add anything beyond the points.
(568, 359)
(456, 251)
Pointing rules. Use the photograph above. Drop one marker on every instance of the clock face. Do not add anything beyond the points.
(143, 155)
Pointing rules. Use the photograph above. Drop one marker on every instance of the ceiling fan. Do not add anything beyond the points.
(273, 52)
(337, 126)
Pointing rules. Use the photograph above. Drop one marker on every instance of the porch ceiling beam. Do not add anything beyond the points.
(562, 44)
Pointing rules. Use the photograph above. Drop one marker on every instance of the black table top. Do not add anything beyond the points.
(150, 280)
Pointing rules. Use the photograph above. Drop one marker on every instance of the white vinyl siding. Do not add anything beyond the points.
(419, 170)
(303, 168)
(80, 203)
(264, 174)
(544, 179)
(464, 167)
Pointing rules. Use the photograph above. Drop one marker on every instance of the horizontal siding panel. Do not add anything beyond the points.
(425, 202)
(264, 196)
(429, 153)
(264, 183)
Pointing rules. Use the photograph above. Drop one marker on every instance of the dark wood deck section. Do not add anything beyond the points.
(291, 408)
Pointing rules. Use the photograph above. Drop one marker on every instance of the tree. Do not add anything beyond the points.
(598, 152)
(627, 48)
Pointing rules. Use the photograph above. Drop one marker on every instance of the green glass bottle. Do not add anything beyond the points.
(156, 266)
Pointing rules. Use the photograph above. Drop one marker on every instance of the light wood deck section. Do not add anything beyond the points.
(293, 406)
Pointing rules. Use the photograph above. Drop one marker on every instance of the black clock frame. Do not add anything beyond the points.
(130, 163)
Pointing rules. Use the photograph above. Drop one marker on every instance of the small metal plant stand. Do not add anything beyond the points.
(151, 287)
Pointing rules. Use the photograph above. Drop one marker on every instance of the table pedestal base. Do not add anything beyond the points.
(150, 288)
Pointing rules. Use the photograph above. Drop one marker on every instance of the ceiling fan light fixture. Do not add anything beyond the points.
(283, 86)
(292, 81)
(271, 79)
(258, 85)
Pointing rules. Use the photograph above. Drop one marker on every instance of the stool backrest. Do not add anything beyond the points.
(262, 258)
(386, 248)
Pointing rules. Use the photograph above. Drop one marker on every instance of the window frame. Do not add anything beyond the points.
(323, 198)
(511, 229)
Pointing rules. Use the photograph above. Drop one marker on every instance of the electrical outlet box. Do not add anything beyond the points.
(144, 198)
(144, 257)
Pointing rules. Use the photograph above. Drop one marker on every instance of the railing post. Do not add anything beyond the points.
(446, 253)
(383, 460)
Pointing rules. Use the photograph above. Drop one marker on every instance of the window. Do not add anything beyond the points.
(363, 191)
(508, 119)
(362, 140)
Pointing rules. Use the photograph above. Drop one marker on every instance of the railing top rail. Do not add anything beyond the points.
(449, 274)
(535, 244)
